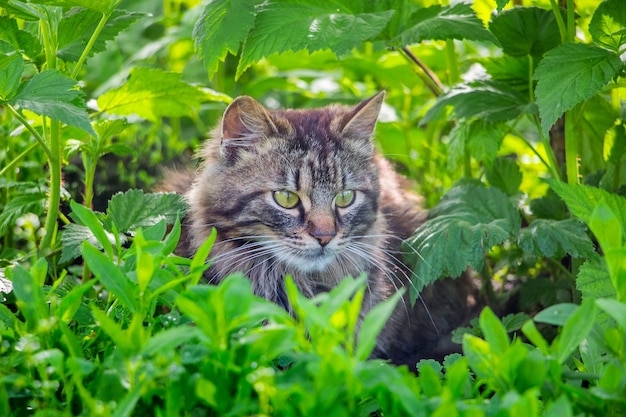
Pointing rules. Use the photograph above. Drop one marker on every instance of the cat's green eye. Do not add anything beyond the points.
(286, 199)
(344, 198)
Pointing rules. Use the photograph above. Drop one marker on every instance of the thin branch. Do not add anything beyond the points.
(430, 78)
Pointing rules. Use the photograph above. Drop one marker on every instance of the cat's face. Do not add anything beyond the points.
(297, 188)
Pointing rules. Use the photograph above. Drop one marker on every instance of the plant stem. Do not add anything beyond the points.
(17, 159)
(571, 148)
(92, 41)
(559, 20)
(553, 165)
(429, 77)
(54, 199)
(40, 140)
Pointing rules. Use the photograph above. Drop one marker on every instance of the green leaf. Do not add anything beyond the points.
(607, 25)
(444, 22)
(582, 200)
(577, 72)
(494, 331)
(557, 314)
(469, 220)
(222, 27)
(373, 323)
(53, 95)
(615, 309)
(171, 339)
(489, 101)
(560, 408)
(111, 276)
(526, 31)
(76, 28)
(28, 290)
(19, 206)
(11, 68)
(103, 6)
(18, 38)
(88, 218)
(505, 175)
(593, 280)
(556, 238)
(133, 209)
(152, 94)
(293, 25)
(575, 330)
(480, 138)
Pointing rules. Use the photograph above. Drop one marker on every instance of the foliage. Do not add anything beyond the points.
(508, 118)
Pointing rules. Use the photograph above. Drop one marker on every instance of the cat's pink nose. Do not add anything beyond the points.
(322, 228)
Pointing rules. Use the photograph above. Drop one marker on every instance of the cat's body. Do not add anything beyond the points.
(303, 193)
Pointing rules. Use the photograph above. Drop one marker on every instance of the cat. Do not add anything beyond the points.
(304, 193)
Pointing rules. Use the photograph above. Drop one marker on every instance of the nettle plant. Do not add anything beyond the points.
(112, 335)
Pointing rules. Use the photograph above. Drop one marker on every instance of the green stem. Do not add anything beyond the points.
(54, 199)
(531, 147)
(571, 21)
(553, 165)
(430, 78)
(559, 20)
(90, 174)
(571, 148)
(40, 140)
(90, 44)
(17, 159)
(452, 63)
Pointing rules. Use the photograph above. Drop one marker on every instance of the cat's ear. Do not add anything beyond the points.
(361, 122)
(245, 122)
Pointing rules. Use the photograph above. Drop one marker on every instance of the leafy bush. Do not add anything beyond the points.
(519, 152)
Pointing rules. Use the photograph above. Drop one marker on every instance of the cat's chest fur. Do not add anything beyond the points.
(303, 193)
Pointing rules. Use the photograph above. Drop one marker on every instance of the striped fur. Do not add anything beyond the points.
(317, 154)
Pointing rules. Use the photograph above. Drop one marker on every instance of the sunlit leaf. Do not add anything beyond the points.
(577, 72)
(152, 94)
(222, 27)
(76, 28)
(49, 93)
(444, 22)
(293, 25)
(134, 209)
(607, 25)
(526, 31)
(464, 226)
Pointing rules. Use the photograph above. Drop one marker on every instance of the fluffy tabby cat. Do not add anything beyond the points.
(304, 193)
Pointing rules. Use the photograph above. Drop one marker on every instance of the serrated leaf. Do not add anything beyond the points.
(582, 200)
(556, 238)
(51, 94)
(490, 101)
(480, 138)
(607, 24)
(525, 31)
(294, 25)
(134, 209)
(76, 28)
(18, 38)
(464, 226)
(444, 22)
(577, 72)
(222, 27)
(73, 237)
(593, 280)
(19, 206)
(505, 175)
(152, 94)
(103, 6)
(11, 68)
